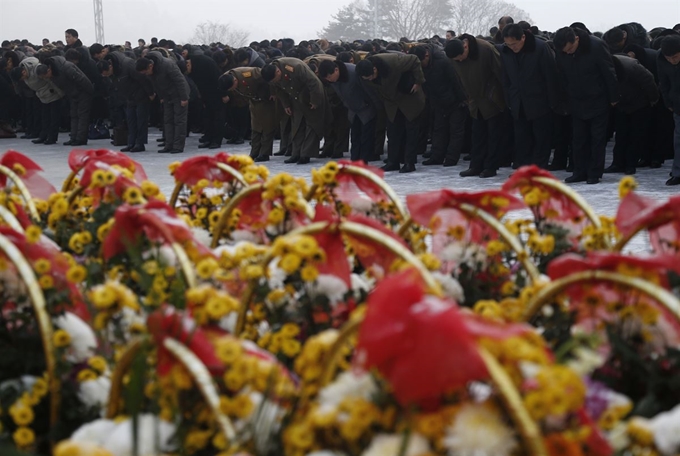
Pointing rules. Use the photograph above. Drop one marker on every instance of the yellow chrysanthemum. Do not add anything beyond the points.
(24, 437)
(33, 234)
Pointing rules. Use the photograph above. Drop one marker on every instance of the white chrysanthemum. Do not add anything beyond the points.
(96, 432)
(585, 361)
(228, 323)
(479, 431)
(454, 252)
(245, 236)
(275, 276)
(361, 205)
(348, 384)
(390, 445)
(450, 286)
(666, 429)
(95, 393)
(154, 437)
(83, 340)
(330, 286)
(360, 283)
(202, 236)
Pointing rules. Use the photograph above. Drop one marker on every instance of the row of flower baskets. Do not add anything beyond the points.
(264, 315)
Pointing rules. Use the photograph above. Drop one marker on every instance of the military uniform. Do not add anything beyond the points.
(253, 88)
(297, 88)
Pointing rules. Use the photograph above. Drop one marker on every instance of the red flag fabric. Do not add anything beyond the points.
(200, 167)
(78, 158)
(37, 185)
(662, 220)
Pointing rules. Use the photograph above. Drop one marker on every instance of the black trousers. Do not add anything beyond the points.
(32, 115)
(50, 119)
(632, 134)
(533, 140)
(80, 117)
(137, 116)
(238, 119)
(174, 124)
(215, 117)
(363, 139)
(336, 134)
(589, 145)
(402, 137)
(486, 140)
(448, 132)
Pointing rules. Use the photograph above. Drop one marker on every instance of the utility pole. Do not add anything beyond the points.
(98, 22)
(375, 19)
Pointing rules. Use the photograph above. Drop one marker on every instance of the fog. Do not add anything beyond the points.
(267, 19)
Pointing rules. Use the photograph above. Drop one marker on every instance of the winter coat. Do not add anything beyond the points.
(588, 76)
(354, 96)
(297, 88)
(636, 85)
(255, 59)
(481, 76)
(393, 88)
(256, 90)
(68, 77)
(530, 78)
(78, 46)
(669, 82)
(442, 84)
(134, 86)
(167, 78)
(46, 91)
(205, 73)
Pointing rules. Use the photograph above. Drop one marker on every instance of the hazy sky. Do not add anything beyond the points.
(266, 19)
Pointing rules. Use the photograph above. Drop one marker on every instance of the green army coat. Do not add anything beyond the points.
(256, 90)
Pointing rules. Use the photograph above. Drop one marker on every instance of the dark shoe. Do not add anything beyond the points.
(389, 167)
(160, 139)
(655, 164)
(375, 158)
(303, 161)
(175, 151)
(69, 142)
(427, 155)
(292, 160)
(467, 157)
(280, 153)
(204, 145)
(407, 169)
(470, 172)
(79, 143)
(673, 181)
(203, 139)
(450, 162)
(262, 158)
(49, 142)
(592, 180)
(138, 149)
(488, 173)
(643, 163)
(126, 149)
(574, 179)
(164, 151)
(433, 161)
(613, 169)
(214, 146)
(235, 141)
(338, 155)
(29, 136)
(629, 171)
(39, 141)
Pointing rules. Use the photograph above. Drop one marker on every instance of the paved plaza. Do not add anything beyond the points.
(603, 197)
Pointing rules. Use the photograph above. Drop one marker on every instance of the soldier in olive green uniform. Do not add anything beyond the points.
(247, 83)
(302, 96)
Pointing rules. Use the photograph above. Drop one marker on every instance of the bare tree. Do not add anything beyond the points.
(413, 19)
(476, 17)
(348, 24)
(213, 32)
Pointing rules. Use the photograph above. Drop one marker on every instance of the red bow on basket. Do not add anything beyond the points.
(662, 220)
(155, 221)
(194, 169)
(424, 346)
(29, 173)
(351, 186)
(77, 160)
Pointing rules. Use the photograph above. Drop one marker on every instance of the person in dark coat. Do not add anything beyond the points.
(138, 93)
(360, 106)
(669, 82)
(303, 99)
(397, 79)
(478, 64)
(73, 42)
(173, 90)
(623, 35)
(531, 88)
(639, 93)
(89, 68)
(446, 97)
(205, 73)
(248, 57)
(587, 72)
(77, 88)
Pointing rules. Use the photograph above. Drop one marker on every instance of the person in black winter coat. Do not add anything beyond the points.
(89, 67)
(632, 113)
(173, 90)
(443, 88)
(77, 88)
(623, 35)
(531, 88)
(248, 57)
(587, 72)
(205, 73)
(669, 82)
(138, 93)
(73, 42)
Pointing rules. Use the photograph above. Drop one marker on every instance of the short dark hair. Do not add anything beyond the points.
(524, 24)
(365, 68)
(580, 25)
(142, 40)
(95, 49)
(613, 37)
(562, 37)
(72, 55)
(268, 72)
(513, 31)
(41, 70)
(670, 45)
(72, 32)
(143, 64)
(326, 68)
(454, 48)
(225, 81)
(220, 57)
(345, 57)
(17, 73)
(451, 32)
(241, 55)
(419, 51)
(103, 65)
(493, 30)
(506, 20)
